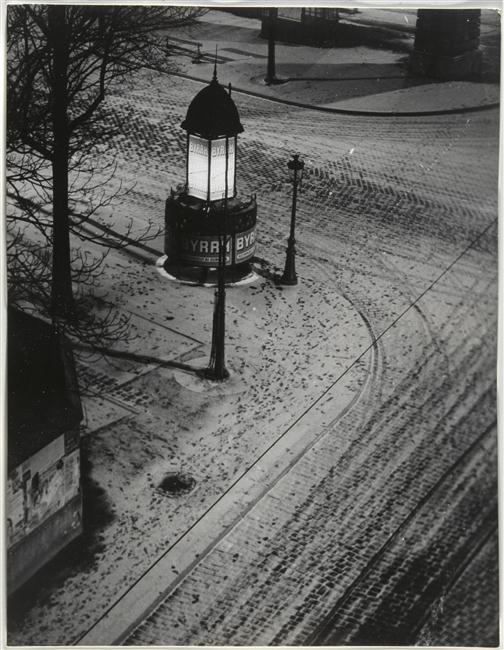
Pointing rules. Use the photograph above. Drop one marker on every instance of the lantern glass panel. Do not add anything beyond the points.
(197, 167)
(198, 175)
(296, 169)
(218, 169)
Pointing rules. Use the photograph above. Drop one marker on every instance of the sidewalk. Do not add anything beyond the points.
(359, 79)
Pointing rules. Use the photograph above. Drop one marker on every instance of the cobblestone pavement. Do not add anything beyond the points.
(456, 617)
(360, 529)
(394, 322)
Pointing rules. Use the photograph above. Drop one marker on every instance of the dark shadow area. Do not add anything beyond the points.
(375, 37)
(204, 275)
(490, 46)
(345, 71)
(343, 34)
(79, 556)
(266, 270)
(110, 353)
(244, 53)
(211, 31)
(434, 583)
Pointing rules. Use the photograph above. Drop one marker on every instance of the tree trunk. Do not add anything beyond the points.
(62, 302)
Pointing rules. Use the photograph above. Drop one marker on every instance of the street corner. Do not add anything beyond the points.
(252, 325)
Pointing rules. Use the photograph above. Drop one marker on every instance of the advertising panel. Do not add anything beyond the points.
(197, 167)
(203, 250)
(244, 245)
(218, 169)
(197, 172)
(39, 487)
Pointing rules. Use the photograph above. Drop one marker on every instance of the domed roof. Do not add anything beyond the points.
(212, 113)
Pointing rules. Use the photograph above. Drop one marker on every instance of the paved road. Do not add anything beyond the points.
(363, 534)
(385, 473)
(396, 311)
(414, 178)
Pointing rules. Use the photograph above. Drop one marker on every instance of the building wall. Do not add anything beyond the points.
(43, 506)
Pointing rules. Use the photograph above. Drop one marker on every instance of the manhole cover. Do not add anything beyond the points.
(175, 484)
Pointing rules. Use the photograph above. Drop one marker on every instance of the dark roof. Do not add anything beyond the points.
(212, 113)
(42, 392)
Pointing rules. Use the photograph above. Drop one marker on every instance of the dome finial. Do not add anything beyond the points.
(215, 65)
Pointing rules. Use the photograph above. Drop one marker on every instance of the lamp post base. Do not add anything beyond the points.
(289, 279)
(208, 276)
(274, 81)
(215, 374)
(289, 276)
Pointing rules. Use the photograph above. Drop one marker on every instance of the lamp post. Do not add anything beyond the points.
(289, 276)
(210, 231)
(271, 15)
(198, 56)
(217, 366)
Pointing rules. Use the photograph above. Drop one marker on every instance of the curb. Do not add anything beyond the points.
(348, 111)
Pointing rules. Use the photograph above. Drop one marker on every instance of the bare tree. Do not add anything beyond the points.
(61, 61)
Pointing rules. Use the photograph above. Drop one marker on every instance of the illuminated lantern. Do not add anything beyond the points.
(208, 208)
(212, 126)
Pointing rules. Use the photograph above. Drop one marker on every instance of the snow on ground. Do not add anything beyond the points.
(386, 207)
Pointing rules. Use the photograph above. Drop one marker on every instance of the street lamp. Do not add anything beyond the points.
(210, 231)
(296, 168)
(211, 156)
(212, 125)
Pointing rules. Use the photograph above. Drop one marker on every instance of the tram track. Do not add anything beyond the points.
(101, 626)
(372, 380)
(325, 633)
(393, 538)
(374, 351)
